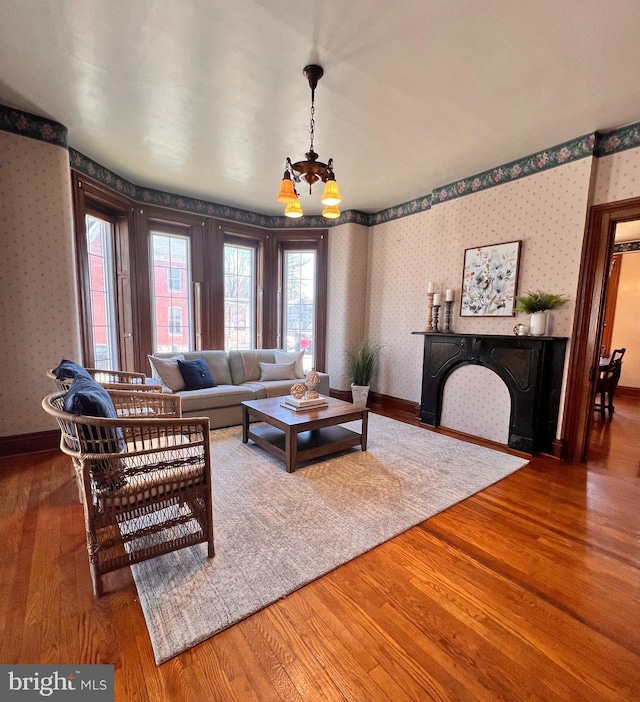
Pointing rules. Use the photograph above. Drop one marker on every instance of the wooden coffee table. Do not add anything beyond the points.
(295, 436)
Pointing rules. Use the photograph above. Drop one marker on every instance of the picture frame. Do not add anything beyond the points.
(490, 280)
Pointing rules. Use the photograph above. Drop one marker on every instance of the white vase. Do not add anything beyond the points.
(538, 325)
(359, 393)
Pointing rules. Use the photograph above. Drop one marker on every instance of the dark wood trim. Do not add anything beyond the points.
(242, 235)
(313, 240)
(89, 196)
(134, 220)
(587, 329)
(387, 403)
(29, 443)
(627, 391)
(455, 434)
(82, 273)
(344, 395)
(169, 222)
(558, 448)
(213, 332)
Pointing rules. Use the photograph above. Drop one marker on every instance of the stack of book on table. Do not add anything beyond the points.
(291, 402)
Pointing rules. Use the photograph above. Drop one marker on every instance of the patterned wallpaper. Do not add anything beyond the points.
(378, 274)
(38, 315)
(347, 297)
(546, 211)
(617, 177)
(487, 408)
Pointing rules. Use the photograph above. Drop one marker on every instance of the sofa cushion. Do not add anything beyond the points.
(196, 374)
(70, 369)
(213, 398)
(245, 363)
(272, 388)
(167, 372)
(218, 364)
(287, 357)
(277, 371)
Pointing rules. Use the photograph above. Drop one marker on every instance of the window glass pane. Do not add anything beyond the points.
(299, 303)
(171, 292)
(174, 280)
(102, 292)
(239, 297)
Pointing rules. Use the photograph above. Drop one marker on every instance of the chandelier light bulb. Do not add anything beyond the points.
(293, 209)
(331, 212)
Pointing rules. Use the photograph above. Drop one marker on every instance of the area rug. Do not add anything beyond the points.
(276, 531)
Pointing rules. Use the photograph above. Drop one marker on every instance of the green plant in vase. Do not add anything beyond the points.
(536, 305)
(362, 364)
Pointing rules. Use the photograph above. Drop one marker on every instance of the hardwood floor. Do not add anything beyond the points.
(529, 590)
(613, 443)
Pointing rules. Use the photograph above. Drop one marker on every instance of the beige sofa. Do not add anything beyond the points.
(237, 376)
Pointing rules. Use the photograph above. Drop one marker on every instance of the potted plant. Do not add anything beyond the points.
(362, 363)
(536, 304)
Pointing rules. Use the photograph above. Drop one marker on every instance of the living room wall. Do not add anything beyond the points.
(626, 324)
(379, 265)
(347, 297)
(546, 211)
(38, 314)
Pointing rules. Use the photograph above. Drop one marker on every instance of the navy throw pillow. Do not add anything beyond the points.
(196, 374)
(70, 369)
(88, 398)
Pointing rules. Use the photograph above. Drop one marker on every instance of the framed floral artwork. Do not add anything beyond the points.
(489, 280)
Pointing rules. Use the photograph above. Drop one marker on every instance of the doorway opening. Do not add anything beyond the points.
(604, 221)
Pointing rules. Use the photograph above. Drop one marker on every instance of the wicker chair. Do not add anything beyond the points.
(144, 478)
(110, 379)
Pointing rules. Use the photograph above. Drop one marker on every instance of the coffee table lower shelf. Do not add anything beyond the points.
(310, 444)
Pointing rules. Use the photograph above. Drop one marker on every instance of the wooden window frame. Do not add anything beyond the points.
(134, 221)
(88, 198)
(313, 241)
(236, 235)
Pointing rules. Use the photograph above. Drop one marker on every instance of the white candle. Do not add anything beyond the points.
(436, 299)
(430, 287)
(449, 295)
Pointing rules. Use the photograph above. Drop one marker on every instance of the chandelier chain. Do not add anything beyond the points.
(312, 123)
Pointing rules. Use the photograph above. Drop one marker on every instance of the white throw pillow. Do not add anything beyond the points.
(277, 371)
(166, 370)
(287, 357)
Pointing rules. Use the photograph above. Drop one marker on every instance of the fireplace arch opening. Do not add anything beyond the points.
(476, 401)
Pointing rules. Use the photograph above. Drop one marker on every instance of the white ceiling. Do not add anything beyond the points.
(206, 97)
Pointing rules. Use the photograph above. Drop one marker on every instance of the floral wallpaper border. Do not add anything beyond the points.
(149, 196)
(626, 246)
(608, 143)
(596, 144)
(573, 150)
(33, 126)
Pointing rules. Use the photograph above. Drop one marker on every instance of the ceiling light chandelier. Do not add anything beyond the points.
(310, 171)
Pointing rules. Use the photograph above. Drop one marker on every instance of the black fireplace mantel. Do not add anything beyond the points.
(530, 366)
